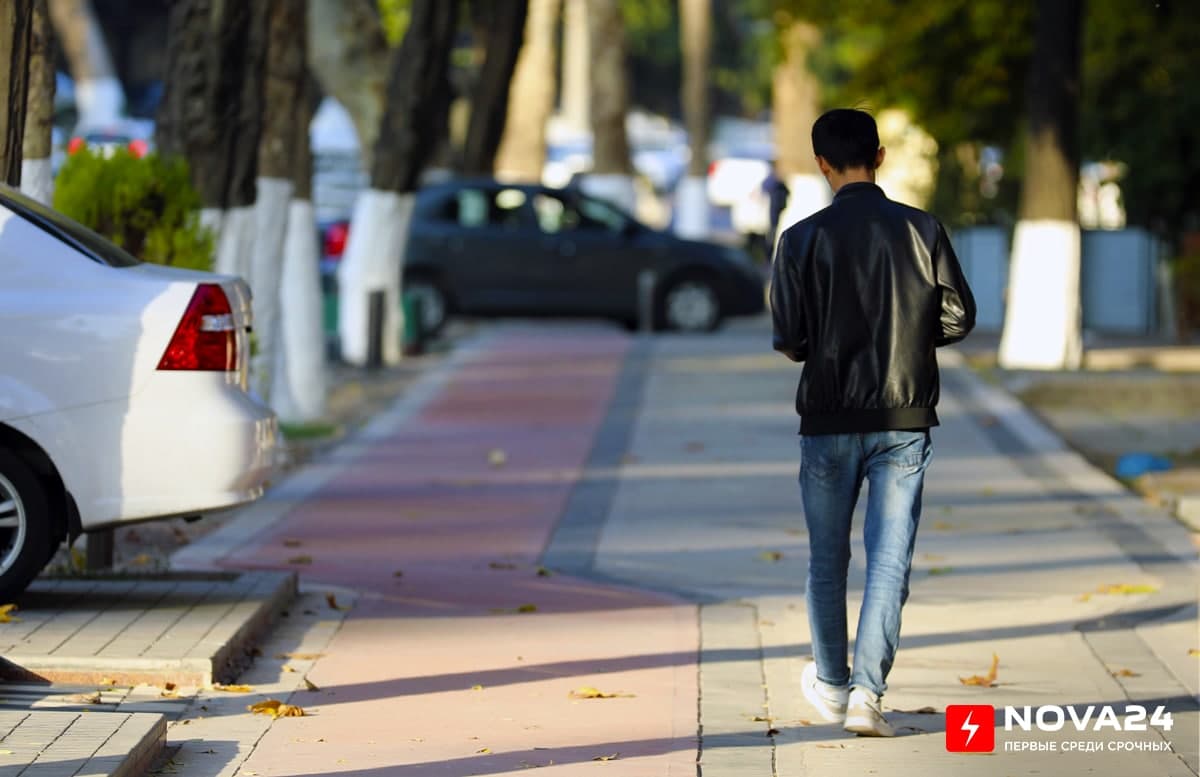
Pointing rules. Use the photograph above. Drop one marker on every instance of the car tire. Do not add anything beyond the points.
(25, 536)
(689, 304)
(435, 307)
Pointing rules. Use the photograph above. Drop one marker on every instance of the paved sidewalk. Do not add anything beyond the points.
(654, 480)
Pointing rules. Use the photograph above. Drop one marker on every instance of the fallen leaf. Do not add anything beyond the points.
(940, 570)
(332, 601)
(919, 711)
(804, 722)
(588, 692)
(1125, 673)
(310, 685)
(832, 747)
(1126, 589)
(6, 611)
(141, 560)
(760, 719)
(497, 457)
(987, 681)
(501, 565)
(1193, 652)
(765, 622)
(276, 709)
(232, 688)
(6, 752)
(484, 750)
(771, 555)
(287, 668)
(398, 573)
(300, 560)
(612, 757)
(300, 656)
(476, 687)
(1083, 598)
(942, 526)
(86, 698)
(292, 543)
(527, 608)
(107, 681)
(543, 572)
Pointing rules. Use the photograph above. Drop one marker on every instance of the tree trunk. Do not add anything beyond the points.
(611, 176)
(349, 55)
(99, 97)
(16, 34)
(415, 118)
(299, 388)
(504, 32)
(1043, 324)
(37, 179)
(211, 114)
(691, 215)
(577, 66)
(284, 81)
(796, 104)
(522, 153)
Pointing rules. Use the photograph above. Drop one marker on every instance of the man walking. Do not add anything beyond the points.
(863, 292)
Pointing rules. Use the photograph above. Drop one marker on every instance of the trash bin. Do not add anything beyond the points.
(414, 329)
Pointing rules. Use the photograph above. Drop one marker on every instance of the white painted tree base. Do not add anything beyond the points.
(373, 261)
(691, 208)
(99, 101)
(37, 180)
(612, 187)
(1043, 322)
(235, 239)
(298, 388)
(272, 198)
(807, 194)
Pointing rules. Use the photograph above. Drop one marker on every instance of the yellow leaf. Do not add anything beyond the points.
(233, 688)
(527, 608)
(292, 543)
(310, 685)
(6, 611)
(300, 560)
(612, 757)
(476, 687)
(141, 559)
(107, 681)
(497, 457)
(332, 601)
(1193, 652)
(543, 572)
(1125, 673)
(940, 570)
(484, 750)
(6, 752)
(942, 526)
(287, 668)
(987, 681)
(588, 692)
(771, 555)
(276, 709)
(300, 656)
(1126, 589)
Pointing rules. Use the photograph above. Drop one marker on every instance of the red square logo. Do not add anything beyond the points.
(970, 728)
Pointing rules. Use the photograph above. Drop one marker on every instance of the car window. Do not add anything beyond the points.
(95, 247)
(557, 214)
(473, 208)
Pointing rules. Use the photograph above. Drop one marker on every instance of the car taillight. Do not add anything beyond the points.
(206, 338)
(335, 239)
(712, 168)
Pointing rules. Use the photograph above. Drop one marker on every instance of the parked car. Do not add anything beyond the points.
(479, 247)
(124, 391)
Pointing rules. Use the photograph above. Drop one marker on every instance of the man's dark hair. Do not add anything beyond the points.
(847, 138)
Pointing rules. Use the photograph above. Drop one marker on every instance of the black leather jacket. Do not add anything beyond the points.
(863, 292)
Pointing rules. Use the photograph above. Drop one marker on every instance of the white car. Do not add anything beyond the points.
(123, 391)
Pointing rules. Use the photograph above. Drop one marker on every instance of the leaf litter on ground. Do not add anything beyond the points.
(233, 688)
(771, 555)
(6, 613)
(332, 601)
(276, 709)
(986, 681)
(588, 692)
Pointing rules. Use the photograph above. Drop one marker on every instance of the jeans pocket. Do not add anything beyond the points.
(818, 458)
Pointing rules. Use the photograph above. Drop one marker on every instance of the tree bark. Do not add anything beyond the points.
(796, 104)
(16, 40)
(577, 66)
(98, 94)
(610, 88)
(522, 153)
(1043, 322)
(691, 197)
(417, 97)
(37, 145)
(349, 55)
(504, 32)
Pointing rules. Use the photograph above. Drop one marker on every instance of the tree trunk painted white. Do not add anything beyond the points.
(37, 180)
(235, 242)
(373, 262)
(298, 387)
(1042, 325)
(99, 98)
(274, 195)
(616, 188)
(807, 194)
(691, 208)
(576, 66)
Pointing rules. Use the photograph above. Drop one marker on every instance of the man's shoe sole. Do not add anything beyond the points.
(865, 727)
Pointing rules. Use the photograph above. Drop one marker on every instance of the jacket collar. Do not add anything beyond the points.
(858, 187)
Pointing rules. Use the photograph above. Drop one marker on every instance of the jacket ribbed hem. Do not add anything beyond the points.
(865, 421)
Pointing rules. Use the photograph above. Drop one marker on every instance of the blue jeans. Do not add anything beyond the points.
(832, 471)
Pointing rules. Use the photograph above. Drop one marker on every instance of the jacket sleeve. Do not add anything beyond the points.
(958, 304)
(787, 313)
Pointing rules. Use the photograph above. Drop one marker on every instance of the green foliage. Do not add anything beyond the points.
(147, 206)
(395, 15)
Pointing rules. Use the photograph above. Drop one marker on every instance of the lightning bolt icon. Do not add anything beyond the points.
(970, 728)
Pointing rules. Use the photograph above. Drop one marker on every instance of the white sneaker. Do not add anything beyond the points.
(829, 700)
(864, 717)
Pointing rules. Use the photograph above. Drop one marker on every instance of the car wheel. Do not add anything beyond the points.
(435, 307)
(691, 305)
(24, 525)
